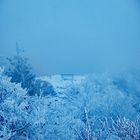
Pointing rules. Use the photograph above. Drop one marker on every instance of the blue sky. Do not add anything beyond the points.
(72, 36)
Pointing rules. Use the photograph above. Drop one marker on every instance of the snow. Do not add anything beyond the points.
(84, 107)
(62, 82)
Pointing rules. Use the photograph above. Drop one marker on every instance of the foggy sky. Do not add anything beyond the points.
(72, 36)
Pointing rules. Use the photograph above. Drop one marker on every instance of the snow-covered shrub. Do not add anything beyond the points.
(42, 88)
(13, 120)
(104, 99)
(21, 116)
(129, 84)
(125, 129)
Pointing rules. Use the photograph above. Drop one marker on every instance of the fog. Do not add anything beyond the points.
(72, 36)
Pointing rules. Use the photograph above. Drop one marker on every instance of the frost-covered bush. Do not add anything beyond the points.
(125, 129)
(103, 98)
(13, 119)
(21, 116)
(129, 84)
(42, 88)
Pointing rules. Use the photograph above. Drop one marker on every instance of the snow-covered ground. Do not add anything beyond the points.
(61, 82)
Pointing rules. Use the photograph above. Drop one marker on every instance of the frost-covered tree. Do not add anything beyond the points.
(21, 116)
(102, 99)
(20, 71)
(13, 120)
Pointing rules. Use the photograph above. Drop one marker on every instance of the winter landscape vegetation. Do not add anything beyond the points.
(67, 107)
(69, 69)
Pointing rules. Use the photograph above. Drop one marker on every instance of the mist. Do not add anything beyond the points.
(75, 37)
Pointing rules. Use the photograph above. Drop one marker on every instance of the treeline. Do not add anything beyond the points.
(101, 107)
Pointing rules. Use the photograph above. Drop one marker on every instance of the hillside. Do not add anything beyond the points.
(72, 107)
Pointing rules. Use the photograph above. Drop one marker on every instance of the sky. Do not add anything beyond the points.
(72, 36)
